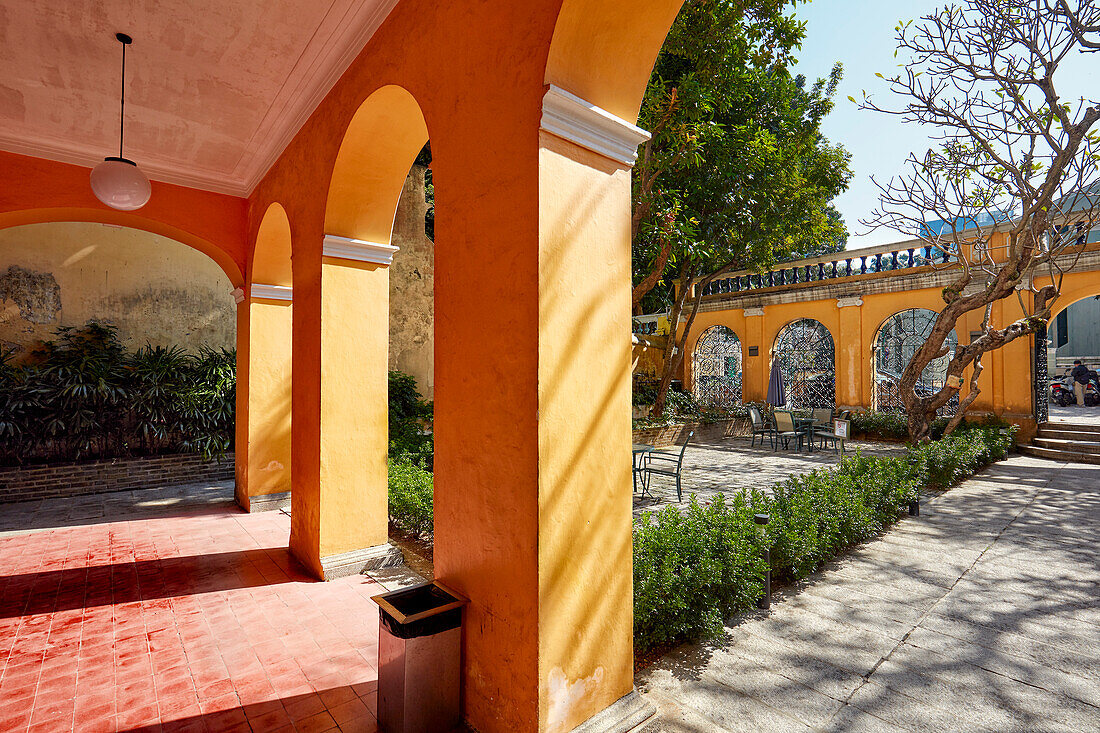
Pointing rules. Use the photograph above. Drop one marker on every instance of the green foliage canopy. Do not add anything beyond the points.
(737, 173)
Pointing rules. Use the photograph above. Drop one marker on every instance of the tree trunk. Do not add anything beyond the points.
(671, 343)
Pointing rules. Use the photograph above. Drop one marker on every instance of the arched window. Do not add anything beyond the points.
(898, 339)
(716, 367)
(806, 355)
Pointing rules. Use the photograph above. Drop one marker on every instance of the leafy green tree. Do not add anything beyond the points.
(737, 174)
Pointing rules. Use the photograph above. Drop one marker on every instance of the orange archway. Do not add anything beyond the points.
(48, 191)
(339, 504)
(264, 391)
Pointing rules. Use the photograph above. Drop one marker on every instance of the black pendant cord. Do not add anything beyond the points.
(122, 103)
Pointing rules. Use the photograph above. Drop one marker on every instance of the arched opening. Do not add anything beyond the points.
(339, 518)
(140, 327)
(128, 220)
(265, 328)
(806, 355)
(897, 339)
(716, 368)
(1072, 340)
(603, 50)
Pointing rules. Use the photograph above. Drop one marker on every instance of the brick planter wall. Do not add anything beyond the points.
(674, 434)
(96, 477)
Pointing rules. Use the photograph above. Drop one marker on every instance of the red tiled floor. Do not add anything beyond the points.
(198, 621)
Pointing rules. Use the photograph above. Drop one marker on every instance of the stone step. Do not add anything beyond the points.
(1071, 427)
(1079, 446)
(1059, 455)
(1067, 436)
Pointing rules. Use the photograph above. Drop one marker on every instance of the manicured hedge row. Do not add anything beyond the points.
(696, 568)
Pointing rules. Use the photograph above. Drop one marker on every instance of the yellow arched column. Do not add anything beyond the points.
(339, 517)
(264, 331)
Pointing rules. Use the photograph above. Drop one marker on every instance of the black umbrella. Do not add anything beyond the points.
(777, 390)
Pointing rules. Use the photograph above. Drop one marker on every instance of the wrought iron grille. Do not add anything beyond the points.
(897, 340)
(716, 365)
(807, 359)
(1042, 377)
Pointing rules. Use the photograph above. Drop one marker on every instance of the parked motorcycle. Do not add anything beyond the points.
(1062, 390)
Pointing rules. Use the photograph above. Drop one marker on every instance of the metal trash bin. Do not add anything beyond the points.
(419, 659)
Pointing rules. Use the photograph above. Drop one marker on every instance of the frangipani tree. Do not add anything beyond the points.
(1012, 157)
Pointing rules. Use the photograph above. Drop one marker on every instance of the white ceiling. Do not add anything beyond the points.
(215, 89)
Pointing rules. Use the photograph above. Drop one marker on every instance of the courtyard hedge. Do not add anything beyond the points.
(695, 568)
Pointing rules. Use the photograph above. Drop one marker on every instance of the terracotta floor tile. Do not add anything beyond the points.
(197, 621)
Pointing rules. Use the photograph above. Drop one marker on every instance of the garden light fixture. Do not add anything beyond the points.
(117, 181)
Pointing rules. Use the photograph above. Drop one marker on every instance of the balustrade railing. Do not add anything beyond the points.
(845, 264)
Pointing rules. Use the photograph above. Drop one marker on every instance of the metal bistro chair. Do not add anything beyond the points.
(761, 427)
(785, 430)
(823, 420)
(668, 464)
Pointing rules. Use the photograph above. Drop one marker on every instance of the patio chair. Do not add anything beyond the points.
(785, 430)
(823, 419)
(761, 427)
(838, 435)
(666, 464)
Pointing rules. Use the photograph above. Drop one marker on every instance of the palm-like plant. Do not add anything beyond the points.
(82, 395)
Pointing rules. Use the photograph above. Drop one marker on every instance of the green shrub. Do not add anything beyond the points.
(410, 497)
(696, 568)
(409, 415)
(82, 395)
(884, 425)
(693, 570)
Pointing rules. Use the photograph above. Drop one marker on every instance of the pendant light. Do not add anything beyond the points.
(117, 181)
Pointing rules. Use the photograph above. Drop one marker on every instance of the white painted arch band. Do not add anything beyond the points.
(572, 118)
(358, 250)
(272, 292)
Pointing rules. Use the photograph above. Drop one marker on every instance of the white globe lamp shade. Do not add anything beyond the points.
(120, 184)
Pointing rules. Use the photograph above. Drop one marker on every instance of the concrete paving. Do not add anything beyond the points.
(982, 614)
(45, 514)
(1075, 414)
(725, 466)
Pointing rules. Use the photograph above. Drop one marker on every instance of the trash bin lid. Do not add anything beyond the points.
(417, 602)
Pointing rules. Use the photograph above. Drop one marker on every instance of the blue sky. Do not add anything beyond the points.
(860, 34)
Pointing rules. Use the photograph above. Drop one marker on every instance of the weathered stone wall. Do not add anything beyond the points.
(154, 289)
(97, 477)
(412, 278)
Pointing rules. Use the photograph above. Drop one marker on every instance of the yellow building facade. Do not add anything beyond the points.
(887, 280)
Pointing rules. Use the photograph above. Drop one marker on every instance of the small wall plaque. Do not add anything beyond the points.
(754, 351)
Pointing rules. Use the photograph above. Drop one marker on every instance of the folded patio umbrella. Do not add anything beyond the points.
(777, 391)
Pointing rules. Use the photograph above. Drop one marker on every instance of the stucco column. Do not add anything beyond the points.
(532, 420)
(264, 393)
(850, 372)
(754, 385)
(339, 517)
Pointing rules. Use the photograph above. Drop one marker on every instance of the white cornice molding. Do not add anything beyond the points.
(571, 118)
(849, 302)
(750, 312)
(272, 292)
(346, 248)
(238, 295)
